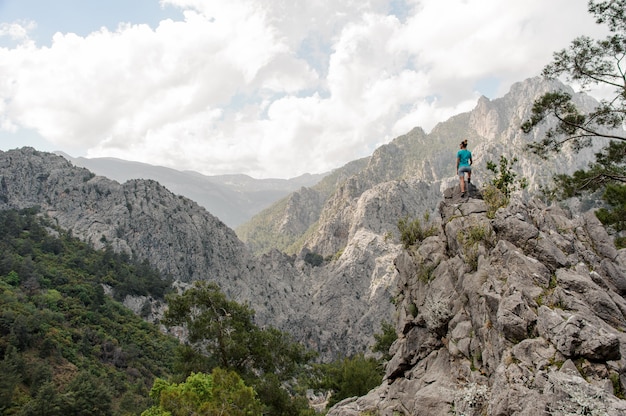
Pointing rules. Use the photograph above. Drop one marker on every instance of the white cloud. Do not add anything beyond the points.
(274, 87)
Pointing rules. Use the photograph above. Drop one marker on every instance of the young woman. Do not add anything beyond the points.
(463, 165)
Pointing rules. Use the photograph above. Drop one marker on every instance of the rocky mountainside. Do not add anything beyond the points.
(492, 129)
(520, 314)
(347, 223)
(234, 199)
(140, 217)
(187, 243)
(356, 228)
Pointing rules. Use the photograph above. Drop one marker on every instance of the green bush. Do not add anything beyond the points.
(220, 393)
(504, 181)
(348, 377)
(470, 238)
(495, 199)
(384, 339)
(414, 231)
(614, 216)
(504, 177)
(313, 259)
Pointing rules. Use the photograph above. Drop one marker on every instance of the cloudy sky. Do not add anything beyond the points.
(269, 88)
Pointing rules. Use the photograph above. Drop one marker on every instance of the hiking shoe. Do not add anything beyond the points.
(462, 194)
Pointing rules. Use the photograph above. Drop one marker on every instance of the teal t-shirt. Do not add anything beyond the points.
(464, 156)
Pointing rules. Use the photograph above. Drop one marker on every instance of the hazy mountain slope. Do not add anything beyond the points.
(140, 217)
(285, 222)
(234, 199)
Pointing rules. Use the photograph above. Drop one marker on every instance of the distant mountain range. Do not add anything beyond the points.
(234, 199)
(339, 280)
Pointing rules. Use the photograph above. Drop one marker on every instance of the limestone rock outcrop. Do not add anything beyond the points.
(520, 314)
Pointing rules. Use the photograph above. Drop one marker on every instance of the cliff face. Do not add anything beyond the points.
(351, 293)
(144, 219)
(350, 219)
(493, 130)
(140, 217)
(521, 314)
(357, 224)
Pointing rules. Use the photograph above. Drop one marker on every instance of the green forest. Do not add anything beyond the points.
(67, 346)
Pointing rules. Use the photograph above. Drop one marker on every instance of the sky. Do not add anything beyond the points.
(267, 88)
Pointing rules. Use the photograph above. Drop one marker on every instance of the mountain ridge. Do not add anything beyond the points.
(334, 306)
(492, 128)
(233, 198)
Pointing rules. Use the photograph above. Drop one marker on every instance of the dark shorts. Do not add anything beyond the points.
(463, 169)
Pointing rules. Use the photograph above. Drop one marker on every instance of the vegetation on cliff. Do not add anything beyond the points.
(590, 62)
(66, 347)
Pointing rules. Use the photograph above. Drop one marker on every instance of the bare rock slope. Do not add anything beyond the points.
(520, 314)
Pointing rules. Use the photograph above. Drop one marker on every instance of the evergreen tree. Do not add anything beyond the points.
(589, 62)
(222, 334)
(348, 377)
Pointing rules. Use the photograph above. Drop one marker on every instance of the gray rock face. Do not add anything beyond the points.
(333, 308)
(147, 221)
(354, 220)
(525, 318)
(350, 219)
(139, 217)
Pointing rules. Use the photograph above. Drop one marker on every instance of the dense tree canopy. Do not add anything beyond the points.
(349, 377)
(225, 332)
(222, 334)
(66, 347)
(222, 393)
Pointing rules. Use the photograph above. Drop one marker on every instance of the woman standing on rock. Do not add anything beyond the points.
(464, 164)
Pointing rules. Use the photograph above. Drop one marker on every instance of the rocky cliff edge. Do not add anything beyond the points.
(520, 314)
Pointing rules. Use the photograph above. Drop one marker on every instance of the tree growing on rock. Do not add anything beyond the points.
(590, 63)
(503, 182)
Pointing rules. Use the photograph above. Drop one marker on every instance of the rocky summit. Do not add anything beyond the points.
(519, 314)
